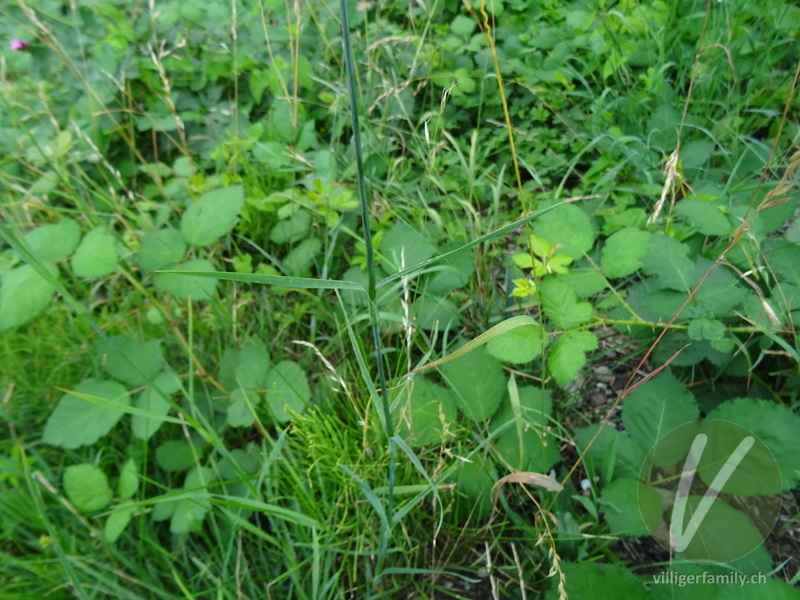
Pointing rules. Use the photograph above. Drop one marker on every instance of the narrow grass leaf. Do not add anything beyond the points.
(295, 282)
(482, 339)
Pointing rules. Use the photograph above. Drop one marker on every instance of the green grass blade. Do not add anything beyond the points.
(295, 282)
(482, 339)
(272, 510)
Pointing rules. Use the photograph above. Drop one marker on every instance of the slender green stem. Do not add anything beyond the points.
(371, 286)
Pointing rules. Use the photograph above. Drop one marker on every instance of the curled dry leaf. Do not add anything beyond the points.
(544, 481)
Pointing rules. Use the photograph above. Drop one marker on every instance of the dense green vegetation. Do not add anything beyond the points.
(252, 349)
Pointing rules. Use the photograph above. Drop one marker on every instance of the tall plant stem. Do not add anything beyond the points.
(371, 286)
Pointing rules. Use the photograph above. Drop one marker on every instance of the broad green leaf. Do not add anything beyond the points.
(153, 402)
(530, 445)
(774, 424)
(704, 215)
(667, 259)
(190, 512)
(161, 249)
(78, 422)
(175, 455)
(656, 407)
(301, 258)
(128, 480)
(51, 243)
(492, 234)
(131, 361)
(240, 413)
(568, 354)
(627, 459)
(405, 247)
(519, 345)
(194, 282)
(593, 581)
(252, 364)
(118, 520)
(478, 383)
(96, 256)
(423, 412)
(455, 272)
(213, 215)
(623, 252)
(568, 228)
(291, 230)
(706, 329)
(784, 259)
(720, 293)
(482, 339)
(23, 295)
(473, 486)
(561, 304)
(433, 312)
(629, 506)
(87, 487)
(287, 389)
(584, 282)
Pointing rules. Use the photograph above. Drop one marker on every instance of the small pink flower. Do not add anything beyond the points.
(18, 44)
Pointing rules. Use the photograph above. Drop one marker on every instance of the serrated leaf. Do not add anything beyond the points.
(478, 383)
(561, 305)
(300, 259)
(287, 388)
(584, 282)
(118, 520)
(131, 361)
(432, 312)
(452, 272)
(153, 399)
(291, 230)
(703, 215)
(190, 512)
(667, 259)
(519, 345)
(77, 422)
(567, 227)
(51, 243)
(161, 249)
(128, 480)
(627, 458)
(175, 455)
(406, 246)
(252, 364)
(87, 487)
(629, 506)
(774, 424)
(213, 215)
(593, 581)
(623, 252)
(23, 295)
(473, 484)
(423, 412)
(706, 329)
(96, 256)
(568, 354)
(656, 407)
(529, 445)
(193, 284)
(240, 413)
